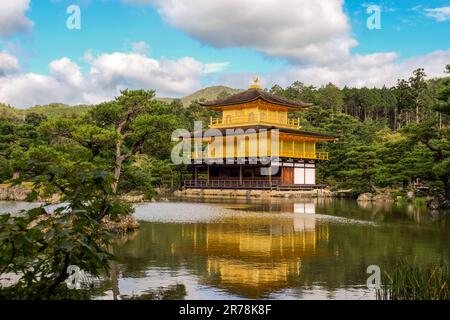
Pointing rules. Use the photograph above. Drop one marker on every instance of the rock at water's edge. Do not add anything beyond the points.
(383, 198)
(365, 197)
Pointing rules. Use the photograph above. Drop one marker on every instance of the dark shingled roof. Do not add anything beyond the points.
(254, 94)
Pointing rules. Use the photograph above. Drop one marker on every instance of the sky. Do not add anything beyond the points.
(50, 53)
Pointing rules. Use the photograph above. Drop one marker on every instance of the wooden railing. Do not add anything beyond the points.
(246, 184)
(305, 155)
(257, 118)
(237, 184)
(320, 155)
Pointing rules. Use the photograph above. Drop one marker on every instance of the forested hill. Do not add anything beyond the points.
(49, 110)
(206, 94)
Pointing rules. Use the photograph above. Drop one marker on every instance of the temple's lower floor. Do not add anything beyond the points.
(279, 175)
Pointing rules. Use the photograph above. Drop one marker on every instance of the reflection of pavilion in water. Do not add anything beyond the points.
(255, 255)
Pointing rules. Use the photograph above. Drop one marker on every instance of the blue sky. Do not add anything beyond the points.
(195, 43)
(405, 27)
(109, 26)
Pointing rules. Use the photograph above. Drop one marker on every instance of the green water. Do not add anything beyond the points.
(277, 249)
(281, 249)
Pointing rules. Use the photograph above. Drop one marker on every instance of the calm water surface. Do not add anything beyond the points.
(281, 249)
(277, 249)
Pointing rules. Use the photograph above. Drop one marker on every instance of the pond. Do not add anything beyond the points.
(266, 249)
(272, 249)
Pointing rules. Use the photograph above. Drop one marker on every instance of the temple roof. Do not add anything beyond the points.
(308, 133)
(253, 94)
(320, 136)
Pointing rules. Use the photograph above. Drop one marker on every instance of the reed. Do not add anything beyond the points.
(411, 281)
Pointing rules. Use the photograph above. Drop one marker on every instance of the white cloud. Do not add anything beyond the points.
(13, 18)
(299, 30)
(107, 74)
(66, 71)
(374, 70)
(439, 14)
(28, 89)
(170, 77)
(8, 64)
(314, 36)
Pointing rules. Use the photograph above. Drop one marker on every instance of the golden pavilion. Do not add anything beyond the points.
(255, 144)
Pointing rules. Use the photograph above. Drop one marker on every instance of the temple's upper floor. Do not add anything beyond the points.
(255, 107)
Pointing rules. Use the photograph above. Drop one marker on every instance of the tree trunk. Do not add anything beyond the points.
(117, 167)
(119, 157)
(417, 113)
(395, 119)
(114, 279)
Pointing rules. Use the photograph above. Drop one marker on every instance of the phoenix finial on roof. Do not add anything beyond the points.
(255, 84)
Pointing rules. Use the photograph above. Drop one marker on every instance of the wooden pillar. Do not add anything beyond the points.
(304, 174)
(270, 173)
(240, 174)
(208, 173)
(195, 174)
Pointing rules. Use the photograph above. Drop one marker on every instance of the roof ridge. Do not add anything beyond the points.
(251, 95)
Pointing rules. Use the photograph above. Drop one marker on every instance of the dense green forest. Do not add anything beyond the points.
(390, 139)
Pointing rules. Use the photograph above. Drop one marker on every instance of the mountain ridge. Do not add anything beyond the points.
(205, 94)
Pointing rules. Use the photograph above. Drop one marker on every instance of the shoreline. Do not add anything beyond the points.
(10, 192)
(260, 194)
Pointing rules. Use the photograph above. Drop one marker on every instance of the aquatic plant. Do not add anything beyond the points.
(410, 281)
